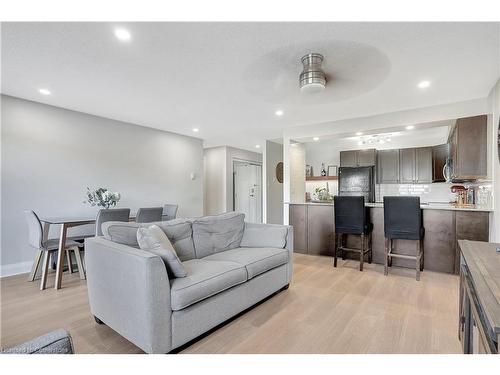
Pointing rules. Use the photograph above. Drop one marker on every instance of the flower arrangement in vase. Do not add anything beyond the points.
(102, 197)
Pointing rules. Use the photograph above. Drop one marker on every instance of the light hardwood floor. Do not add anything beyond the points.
(325, 310)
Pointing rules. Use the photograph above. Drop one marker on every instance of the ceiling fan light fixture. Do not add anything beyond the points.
(312, 79)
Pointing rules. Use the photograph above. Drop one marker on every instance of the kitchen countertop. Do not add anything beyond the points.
(425, 206)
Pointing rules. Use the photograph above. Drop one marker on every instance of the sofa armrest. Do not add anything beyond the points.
(129, 291)
(55, 342)
(270, 235)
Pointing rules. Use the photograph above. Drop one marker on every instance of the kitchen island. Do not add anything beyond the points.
(445, 224)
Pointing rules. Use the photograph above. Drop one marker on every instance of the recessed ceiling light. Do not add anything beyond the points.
(44, 91)
(122, 34)
(359, 133)
(410, 127)
(315, 139)
(257, 146)
(196, 130)
(279, 112)
(424, 84)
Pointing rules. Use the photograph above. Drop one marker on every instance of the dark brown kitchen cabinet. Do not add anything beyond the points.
(358, 158)
(298, 219)
(468, 144)
(366, 158)
(320, 229)
(473, 226)
(348, 158)
(423, 165)
(439, 156)
(388, 166)
(407, 165)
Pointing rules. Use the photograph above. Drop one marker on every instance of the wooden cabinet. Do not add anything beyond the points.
(366, 158)
(479, 296)
(388, 166)
(439, 156)
(423, 165)
(439, 236)
(473, 226)
(298, 219)
(407, 165)
(320, 230)
(348, 158)
(468, 144)
(358, 158)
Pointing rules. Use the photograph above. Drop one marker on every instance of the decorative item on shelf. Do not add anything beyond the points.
(332, 170)
(279, 172)
(102, 197)
(309, 170)
(322, 194)
(323, 170)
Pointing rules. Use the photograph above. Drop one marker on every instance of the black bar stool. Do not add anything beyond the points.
(403, 220)
(352, 217)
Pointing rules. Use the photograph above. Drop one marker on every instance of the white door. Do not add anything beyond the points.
(248, 190)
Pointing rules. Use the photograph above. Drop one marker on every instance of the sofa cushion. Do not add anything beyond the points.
(212, 234)
(256, 260)
(178, 231)
(264, 235)
(154, 240)
(204, 279)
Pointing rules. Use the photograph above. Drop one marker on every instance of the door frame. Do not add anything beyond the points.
(251, 162)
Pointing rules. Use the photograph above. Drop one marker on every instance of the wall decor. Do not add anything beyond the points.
(309, 170)
(332, 170)
(279, 172)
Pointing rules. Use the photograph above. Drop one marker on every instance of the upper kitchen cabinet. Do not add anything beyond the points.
(388, 166)
(423, 165)
(415, 165)
(358, 158)
(439, 157)
(407, 165)
(468, 141)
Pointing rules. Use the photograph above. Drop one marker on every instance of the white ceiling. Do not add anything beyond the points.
(228, 79)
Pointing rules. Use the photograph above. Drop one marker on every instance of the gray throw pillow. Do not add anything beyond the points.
(154, 240)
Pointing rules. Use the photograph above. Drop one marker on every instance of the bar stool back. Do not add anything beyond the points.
(352, 217)
(403, 220)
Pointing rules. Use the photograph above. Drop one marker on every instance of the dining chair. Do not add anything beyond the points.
(169, 212)
(46, 247)
(149, 214)
(110, 214)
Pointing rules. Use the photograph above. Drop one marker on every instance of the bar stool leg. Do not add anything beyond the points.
(417, 267)
(391, 249)
(422, 255)
(370, 252)
(362, 252)
(335, 246)
(342, 245)
(386, 262)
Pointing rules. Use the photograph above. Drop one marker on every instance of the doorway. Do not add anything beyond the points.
(247, 190)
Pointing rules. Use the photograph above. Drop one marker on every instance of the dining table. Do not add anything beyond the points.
(65, 223)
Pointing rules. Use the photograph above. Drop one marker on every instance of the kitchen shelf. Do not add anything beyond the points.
(322, 178)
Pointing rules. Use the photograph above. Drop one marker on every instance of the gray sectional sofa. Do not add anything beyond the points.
(231, 265)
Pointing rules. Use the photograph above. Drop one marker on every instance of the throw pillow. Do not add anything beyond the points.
(153, 239)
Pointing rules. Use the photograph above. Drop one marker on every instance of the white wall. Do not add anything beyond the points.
(274, 189)
(50, 155)
(297, 173)
(494, 170)
(215, 180)
(218, 171)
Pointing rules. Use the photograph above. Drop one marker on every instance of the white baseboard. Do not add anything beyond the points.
(15, 269)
